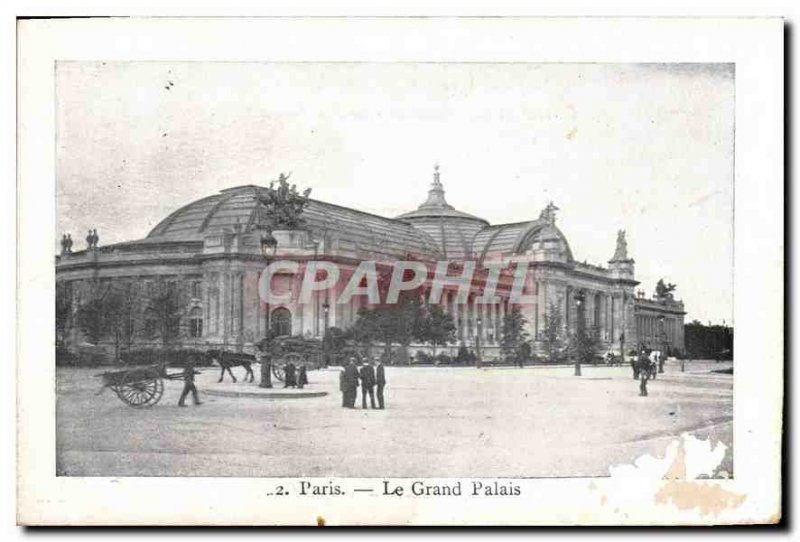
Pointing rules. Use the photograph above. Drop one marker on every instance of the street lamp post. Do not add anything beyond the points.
(326, 308)
(268, 247)
(479, 322)
(579, 299)
(325, 339)
(663, 337)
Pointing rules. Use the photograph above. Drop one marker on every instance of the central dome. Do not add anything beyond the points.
(453, 230)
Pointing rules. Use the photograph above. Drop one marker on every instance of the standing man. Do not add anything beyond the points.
(654, 356)
(289, 380)
(188, 384)
(367, 375)
(302, 377)
(644, 372)
(350, 384)
(380, 380)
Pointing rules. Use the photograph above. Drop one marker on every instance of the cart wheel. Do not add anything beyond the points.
(277, 368)
(139, 390)
(277, 372)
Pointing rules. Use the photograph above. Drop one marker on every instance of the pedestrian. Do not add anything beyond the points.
(188, 384)
(644, 372)
(367, 375)
(380, 381)
(350, 383)
(343, 388)
(302, 377)
(289, 378)
(634, 364)
(654, 358)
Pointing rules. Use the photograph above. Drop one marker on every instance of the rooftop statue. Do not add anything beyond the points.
(621, 253)
(282, 205)
(548, 214)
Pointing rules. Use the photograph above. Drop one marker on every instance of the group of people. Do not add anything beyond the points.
(294, 377)
(369, 378)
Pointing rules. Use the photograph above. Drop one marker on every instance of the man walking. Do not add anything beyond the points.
(188, 384)
(644, 372)
(380, 381)
(367, 375)
(350, 384)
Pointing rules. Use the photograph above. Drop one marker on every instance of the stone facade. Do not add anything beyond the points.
(212, 249)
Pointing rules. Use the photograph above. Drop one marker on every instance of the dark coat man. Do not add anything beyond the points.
(350, 384)
(188, 385)
(644, 372)
(302, 377)
(380, 380)
(367, 375)
(290, 376)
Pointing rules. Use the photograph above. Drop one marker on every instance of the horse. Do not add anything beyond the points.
(226, 360)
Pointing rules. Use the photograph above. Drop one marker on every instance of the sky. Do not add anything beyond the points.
(647, 148)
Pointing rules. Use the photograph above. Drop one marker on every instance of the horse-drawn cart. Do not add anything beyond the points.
(138, 386)
(297, 351)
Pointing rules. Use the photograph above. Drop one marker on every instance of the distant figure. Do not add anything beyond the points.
(95, 238)
(380, 381)
(188, 384)
(653, 358)
(350, 384)
(302, 377)
(89, 240)
(644, 372)
(69, 242)
(367, 375)
(635, 365)
(290, 378)
(342, 388)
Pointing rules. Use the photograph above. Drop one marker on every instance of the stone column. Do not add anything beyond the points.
(223, 307)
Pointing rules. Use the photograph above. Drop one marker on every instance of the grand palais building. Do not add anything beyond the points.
(213, 249)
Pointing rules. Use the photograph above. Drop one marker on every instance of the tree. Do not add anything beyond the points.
(333, 344)
(282, 206)
(407, 322)
(438, 328)
(364, 330)
(584, 346)
(165, 306)
(91, 320)
(107, 312)
(552, 334)
(514, 334)
(63, 312)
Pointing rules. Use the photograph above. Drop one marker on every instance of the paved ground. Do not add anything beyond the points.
(440, 422)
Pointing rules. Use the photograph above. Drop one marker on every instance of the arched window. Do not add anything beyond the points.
(281, 321)
(196, 323)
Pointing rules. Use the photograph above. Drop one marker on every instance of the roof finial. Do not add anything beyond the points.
(436, 193)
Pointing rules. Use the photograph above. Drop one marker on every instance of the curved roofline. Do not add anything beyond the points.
(440, 213)
(537, 225)
(164, 223)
